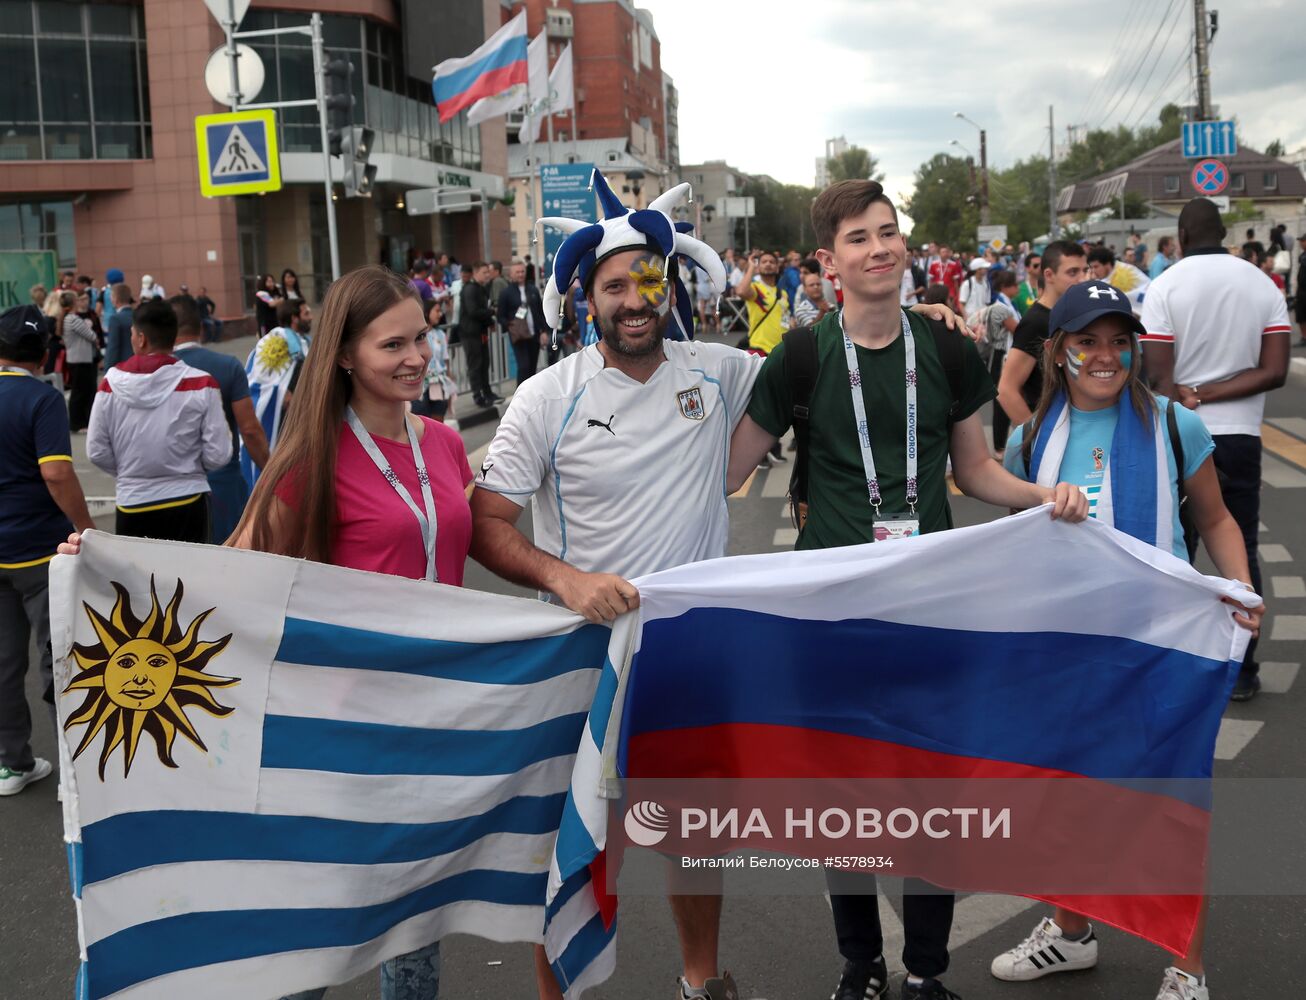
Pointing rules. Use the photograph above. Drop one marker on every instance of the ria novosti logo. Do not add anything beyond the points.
(647, 823)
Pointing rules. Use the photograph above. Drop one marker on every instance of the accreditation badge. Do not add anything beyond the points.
(891, 527)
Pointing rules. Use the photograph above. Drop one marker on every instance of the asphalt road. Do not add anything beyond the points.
(782, 947)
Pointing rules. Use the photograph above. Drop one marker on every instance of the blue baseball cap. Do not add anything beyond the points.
(113, 276)
(1088, 301)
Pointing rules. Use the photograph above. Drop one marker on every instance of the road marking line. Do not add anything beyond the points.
(1275, 553)
(1284, 445)
(743, 490)
(776, 485)
(1293, 425)
(1288, 586)
(1278, 678)
(974, 916)
(785, 538)
(1281, 474)
(784, 513)
(1291, 628)
(1234, 736)
(1262, 528)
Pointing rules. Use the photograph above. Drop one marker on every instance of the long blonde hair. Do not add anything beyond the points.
(306, 448)
(1055, 381)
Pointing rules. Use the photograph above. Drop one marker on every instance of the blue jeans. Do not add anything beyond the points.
(415, 976)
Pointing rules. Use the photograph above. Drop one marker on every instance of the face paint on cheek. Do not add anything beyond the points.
(1074, 362)
(1127, 360)
(650, 277)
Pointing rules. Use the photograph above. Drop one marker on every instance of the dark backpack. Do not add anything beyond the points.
(801, 369)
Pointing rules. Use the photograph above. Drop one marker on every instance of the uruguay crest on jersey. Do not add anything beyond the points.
(691, 403)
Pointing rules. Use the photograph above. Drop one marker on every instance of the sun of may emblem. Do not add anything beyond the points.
(651, 281)
(273, 354)
(142, 676)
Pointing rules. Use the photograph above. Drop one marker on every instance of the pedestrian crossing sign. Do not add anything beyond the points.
(238, 152)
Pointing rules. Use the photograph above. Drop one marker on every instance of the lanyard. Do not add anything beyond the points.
(863, 428)
(427, 520)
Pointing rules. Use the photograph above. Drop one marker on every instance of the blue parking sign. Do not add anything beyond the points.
(238, 152)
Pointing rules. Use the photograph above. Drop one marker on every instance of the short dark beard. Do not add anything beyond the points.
(613, 339)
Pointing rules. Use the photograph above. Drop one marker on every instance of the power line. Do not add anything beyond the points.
(1163, 91)
(1106, 116)
(1118, 51)
(1142, 87)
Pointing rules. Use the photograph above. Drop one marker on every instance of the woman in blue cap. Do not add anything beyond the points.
(1138, 458)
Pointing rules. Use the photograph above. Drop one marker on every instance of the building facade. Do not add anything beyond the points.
(713, 182)
(98, 158)
(833, 148)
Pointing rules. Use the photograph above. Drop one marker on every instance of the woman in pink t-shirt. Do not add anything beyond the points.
(356, 480)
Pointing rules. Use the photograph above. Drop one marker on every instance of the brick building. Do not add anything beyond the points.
(98, 157)
(617, 61)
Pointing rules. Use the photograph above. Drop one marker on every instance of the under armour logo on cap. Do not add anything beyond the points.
(1102, 291)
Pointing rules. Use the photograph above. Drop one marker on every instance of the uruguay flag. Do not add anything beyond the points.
(1071, 662)
(269, 369)
(277, 774)
(498, 64)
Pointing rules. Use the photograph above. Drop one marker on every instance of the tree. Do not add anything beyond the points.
(854, 163)
(1275, 148)
(944, 206)
(782, 217)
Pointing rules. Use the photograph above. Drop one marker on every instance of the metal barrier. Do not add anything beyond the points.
(500, 372)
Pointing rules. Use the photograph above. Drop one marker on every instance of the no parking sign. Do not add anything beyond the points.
(1210, 177)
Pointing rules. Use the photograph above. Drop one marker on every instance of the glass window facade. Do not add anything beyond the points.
(39, 225)
(91, 101)
(399, 108)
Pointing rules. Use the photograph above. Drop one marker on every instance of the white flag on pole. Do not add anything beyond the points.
(537, 63)
(562, 92)
(499, 104)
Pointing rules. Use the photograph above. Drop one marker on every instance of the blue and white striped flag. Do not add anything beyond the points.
(269, 369)
(277, 774)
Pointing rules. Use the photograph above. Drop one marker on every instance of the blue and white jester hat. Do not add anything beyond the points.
(622, 229)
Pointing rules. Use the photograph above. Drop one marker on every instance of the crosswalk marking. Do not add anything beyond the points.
(785, 538)
(1234, 736)
(1275, 553)
(1288, 586)
(1280, 474)
(1291, 628)
(1293, 425)
(748, 485)
(1284, 445)
(1277, 678)
(973, 917)
(777, 483)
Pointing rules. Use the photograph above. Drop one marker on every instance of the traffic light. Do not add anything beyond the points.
(339, 73)
(359, 175)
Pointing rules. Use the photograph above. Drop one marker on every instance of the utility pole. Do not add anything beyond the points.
(1053, 229)
(984, 178)
(1201, 51)
(319, 83)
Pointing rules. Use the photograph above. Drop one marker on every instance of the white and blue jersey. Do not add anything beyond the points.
(624, 477)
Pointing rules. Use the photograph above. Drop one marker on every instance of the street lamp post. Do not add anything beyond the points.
(984, 167)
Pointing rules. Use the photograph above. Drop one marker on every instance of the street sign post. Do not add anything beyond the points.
(994, 237)
(1221, 201)
(238, 153)
(565, 191)
(1201, 140)
(1210, 177)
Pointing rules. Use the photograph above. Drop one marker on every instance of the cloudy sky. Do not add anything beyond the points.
(763, 83)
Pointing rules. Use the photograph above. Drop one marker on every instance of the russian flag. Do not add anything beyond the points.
(1081, 672)
(498, 64)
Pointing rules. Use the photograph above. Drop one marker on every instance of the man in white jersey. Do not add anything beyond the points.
(604, 445)
(1217, 340)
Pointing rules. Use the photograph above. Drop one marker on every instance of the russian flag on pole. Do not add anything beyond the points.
(1071, 667)
(499, 63)
(277, 774)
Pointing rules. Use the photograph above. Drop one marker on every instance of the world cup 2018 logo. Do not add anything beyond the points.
(647, 823)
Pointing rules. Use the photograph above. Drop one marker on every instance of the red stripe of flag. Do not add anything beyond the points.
(494, 82)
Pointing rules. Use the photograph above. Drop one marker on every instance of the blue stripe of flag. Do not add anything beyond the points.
(523, 661)
(369, 748)
(449, 86)
(989, 695)
(130, 841)
(145, 951)
(583, 949)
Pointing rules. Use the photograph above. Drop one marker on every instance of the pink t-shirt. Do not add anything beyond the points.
(374, 529)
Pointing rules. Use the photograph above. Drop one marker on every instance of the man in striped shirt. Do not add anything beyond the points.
(41, 501)
(1217, 340)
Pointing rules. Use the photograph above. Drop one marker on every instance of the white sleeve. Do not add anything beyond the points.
(738, 372)
(1277, 314)
(99, 440)
(1155, 316)
(215, 435)
(518, 457)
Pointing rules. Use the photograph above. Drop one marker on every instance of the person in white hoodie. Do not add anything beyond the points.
(158, 428)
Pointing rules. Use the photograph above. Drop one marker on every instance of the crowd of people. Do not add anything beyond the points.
(330, 444)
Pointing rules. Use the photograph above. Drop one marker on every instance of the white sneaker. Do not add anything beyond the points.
(1179, 985)
(1045, 950)
(12, 782)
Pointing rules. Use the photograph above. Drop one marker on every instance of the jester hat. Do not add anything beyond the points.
(622, 229)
